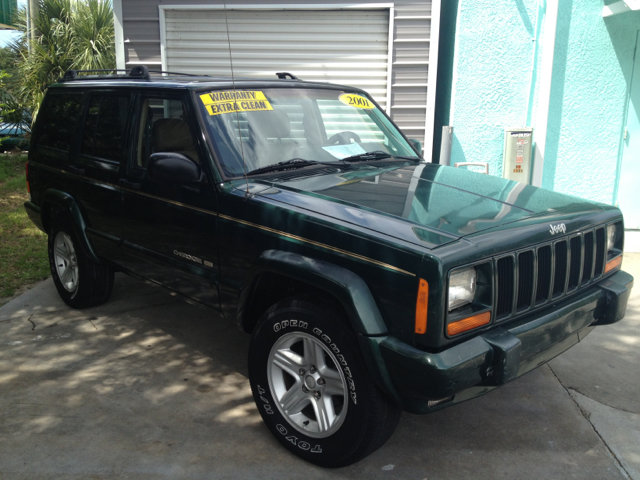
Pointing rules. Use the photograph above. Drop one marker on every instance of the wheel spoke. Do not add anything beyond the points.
(288, 361)
(68, 244)
(325, 415)
(313, 353)
(62, 252)
(66, 275)
(333, 385)
(294, 400)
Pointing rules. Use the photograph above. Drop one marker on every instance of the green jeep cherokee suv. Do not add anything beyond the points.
(371, 281)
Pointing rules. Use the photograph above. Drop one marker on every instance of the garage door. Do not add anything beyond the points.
(348, 46)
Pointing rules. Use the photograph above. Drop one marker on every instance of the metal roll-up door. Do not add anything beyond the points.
(348, 46)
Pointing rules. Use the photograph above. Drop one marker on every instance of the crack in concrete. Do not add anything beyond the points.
(29, 320)
(575, 389)
(587, 417)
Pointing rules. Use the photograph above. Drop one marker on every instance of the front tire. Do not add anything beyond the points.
(312, 386)
(80, 282)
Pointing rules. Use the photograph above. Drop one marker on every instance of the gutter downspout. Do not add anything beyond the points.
(118, 34)
(546, 77)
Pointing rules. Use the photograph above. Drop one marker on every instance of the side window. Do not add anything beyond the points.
(105, 127)
(57, 120)
(163, 128)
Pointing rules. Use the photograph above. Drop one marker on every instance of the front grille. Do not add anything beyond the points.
(549, 271)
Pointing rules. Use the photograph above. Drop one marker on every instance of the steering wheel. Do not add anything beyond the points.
(342, 138)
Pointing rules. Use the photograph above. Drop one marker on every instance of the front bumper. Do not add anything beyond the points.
(482, 363)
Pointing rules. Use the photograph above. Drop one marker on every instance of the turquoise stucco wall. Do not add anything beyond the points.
(491, 88)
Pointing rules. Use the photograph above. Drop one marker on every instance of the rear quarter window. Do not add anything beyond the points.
(57, 120)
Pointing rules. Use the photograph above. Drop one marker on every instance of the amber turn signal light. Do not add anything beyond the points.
(611, 264)
(468, 323)
(421, 307)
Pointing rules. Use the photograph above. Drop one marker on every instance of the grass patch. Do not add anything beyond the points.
(23, 248)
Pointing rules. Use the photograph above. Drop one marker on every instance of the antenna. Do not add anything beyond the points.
(233, 80)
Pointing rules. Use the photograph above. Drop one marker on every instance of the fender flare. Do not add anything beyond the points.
(69, 205)
(348, 288)
(351, 292)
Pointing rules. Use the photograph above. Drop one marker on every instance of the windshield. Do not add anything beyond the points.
(270, 126)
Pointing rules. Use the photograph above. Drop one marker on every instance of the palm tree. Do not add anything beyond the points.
(70, 34)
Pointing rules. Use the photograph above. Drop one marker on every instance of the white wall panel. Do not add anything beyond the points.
(338, 46)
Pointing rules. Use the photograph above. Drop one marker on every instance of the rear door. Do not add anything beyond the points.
(99, 160)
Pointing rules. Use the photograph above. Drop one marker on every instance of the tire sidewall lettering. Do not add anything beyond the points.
(278, 326)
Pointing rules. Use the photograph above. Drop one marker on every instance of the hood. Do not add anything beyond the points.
(426, 204)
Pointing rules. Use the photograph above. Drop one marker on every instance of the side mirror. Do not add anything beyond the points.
(173, 168)
(417, 146)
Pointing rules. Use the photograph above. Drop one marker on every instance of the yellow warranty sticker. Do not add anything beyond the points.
(235, 101)
(357, 101)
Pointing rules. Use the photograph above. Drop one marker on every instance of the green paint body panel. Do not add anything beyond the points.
(363, 236)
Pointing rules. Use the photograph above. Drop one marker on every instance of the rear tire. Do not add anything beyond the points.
(312, 387)
(80, 282)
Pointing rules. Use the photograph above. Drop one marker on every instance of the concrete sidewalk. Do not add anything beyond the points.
(147, 386)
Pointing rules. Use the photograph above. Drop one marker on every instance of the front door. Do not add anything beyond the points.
(169, 230)
(628, 191)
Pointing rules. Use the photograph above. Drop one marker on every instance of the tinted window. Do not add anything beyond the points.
(57, 120)
(105, 127)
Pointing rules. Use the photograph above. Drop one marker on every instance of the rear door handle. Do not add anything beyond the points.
(128, 184)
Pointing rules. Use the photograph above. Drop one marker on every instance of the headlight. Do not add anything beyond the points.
(611, 237)
(462, 287)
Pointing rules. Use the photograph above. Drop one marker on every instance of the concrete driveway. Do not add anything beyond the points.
(148, 386)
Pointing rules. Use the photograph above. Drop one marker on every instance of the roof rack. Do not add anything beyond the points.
(137, 72)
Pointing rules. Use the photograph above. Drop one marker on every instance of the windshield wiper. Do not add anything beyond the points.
(289, 164)
(376, 155)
